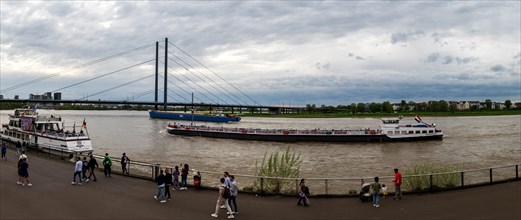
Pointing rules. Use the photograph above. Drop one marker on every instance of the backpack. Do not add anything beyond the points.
(226, 193)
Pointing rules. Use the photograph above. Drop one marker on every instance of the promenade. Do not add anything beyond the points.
(53, 197)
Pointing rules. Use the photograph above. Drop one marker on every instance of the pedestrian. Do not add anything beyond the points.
(93, 164)
(18, 148)
(376, 187)
(24, 173)
(160, 180)
(168, 183)
(19, 182)
(184, 177)
(107, 163)
(77, 171)
(84, 168)
(22, 155)
(4, 151)
(384, 190)
(227, 183)
(124, 163)
(176, 178)
(232, 201)
(302, 193)
(24, 146)
(397, 184)
(222, 200)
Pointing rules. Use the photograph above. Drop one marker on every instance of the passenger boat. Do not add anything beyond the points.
(219, 117)
(389, 130)
(47, 133)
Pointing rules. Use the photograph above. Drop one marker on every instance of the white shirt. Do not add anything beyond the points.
(23, 156)
(79, 166)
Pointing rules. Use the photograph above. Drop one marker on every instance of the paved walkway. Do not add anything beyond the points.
(53, 197)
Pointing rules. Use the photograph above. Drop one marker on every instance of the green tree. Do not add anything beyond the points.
(488, 104)
(387, 107)
(508, 104)
(404, 106)
(433, 106)
(443, 106)
(352, 108)
(360, 107)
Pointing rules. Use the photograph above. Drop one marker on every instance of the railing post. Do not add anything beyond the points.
(462, 183)
(262, 185)
(49, 152)
(326, 186)
(517, 171)
(490, 175)
(430, 182)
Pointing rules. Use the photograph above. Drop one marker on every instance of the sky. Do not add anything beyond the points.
(263, 52)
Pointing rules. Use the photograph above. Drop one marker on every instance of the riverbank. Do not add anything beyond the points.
(388, 115)
(120, 197)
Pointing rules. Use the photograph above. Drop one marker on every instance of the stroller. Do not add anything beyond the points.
(365, 193)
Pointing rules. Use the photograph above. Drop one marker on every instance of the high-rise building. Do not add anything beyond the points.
(16, 97)
(57, 96)
(47, 96)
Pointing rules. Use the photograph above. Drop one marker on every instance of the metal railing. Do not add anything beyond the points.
(320, 186)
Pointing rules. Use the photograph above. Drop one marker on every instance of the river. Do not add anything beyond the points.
(469, 142)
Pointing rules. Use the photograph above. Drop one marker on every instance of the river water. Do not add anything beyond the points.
(469, 142)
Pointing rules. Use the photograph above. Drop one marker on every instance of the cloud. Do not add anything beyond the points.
(266, 47)
(406, 36)
(497, 68)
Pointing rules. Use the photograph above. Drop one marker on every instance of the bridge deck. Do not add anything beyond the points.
(53, 197)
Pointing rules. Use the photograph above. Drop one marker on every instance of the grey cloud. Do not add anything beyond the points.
(433, 57)
(447, 59)
(497, 68)
(465, 60)
(359, 58)
(406, 36)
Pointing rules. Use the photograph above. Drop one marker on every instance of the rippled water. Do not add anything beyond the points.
(470, 142)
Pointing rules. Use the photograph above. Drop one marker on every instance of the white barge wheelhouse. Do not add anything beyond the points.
(49, 133)
(390, 130)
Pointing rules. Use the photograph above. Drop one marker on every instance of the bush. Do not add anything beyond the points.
(285, 165)
(438, 181)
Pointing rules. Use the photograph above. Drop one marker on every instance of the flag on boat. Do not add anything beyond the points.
(84, 125)
(417, 118)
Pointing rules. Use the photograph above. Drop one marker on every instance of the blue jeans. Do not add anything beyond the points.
(183, 181)
(376, 198)
(161, 192)
(77, 173)
(232, 201)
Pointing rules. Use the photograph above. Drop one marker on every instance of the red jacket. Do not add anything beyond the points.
(397, 179)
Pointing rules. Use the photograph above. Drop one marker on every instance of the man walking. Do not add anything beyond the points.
(4, 151)
(93, 164)
(124, 163)
(397, 183)
(77, 171)
(232, 201)
(107, 163)
(160, 179)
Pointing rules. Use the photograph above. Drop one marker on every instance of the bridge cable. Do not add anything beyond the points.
(74, 68)
(214, 73)
(208, 79)
(121, 85)
(103, 75)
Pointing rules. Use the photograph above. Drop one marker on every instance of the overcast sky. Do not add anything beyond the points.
(290, 52)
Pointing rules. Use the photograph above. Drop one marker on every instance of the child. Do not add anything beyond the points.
(384, 190)
(376, 192)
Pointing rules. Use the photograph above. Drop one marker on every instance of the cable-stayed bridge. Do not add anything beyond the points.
(172, 68)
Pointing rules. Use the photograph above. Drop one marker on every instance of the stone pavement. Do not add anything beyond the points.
(53, 197)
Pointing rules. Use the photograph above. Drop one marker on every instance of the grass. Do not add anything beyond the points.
(285, 165)
(420, 183)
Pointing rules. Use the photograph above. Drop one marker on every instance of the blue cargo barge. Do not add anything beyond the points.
(219, 118)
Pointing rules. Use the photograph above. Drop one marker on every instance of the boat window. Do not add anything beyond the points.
(417, 132)
(390, 132)
(411, 132)
(396, 132)
(431, 131)
(424, 132)
(404, 132)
